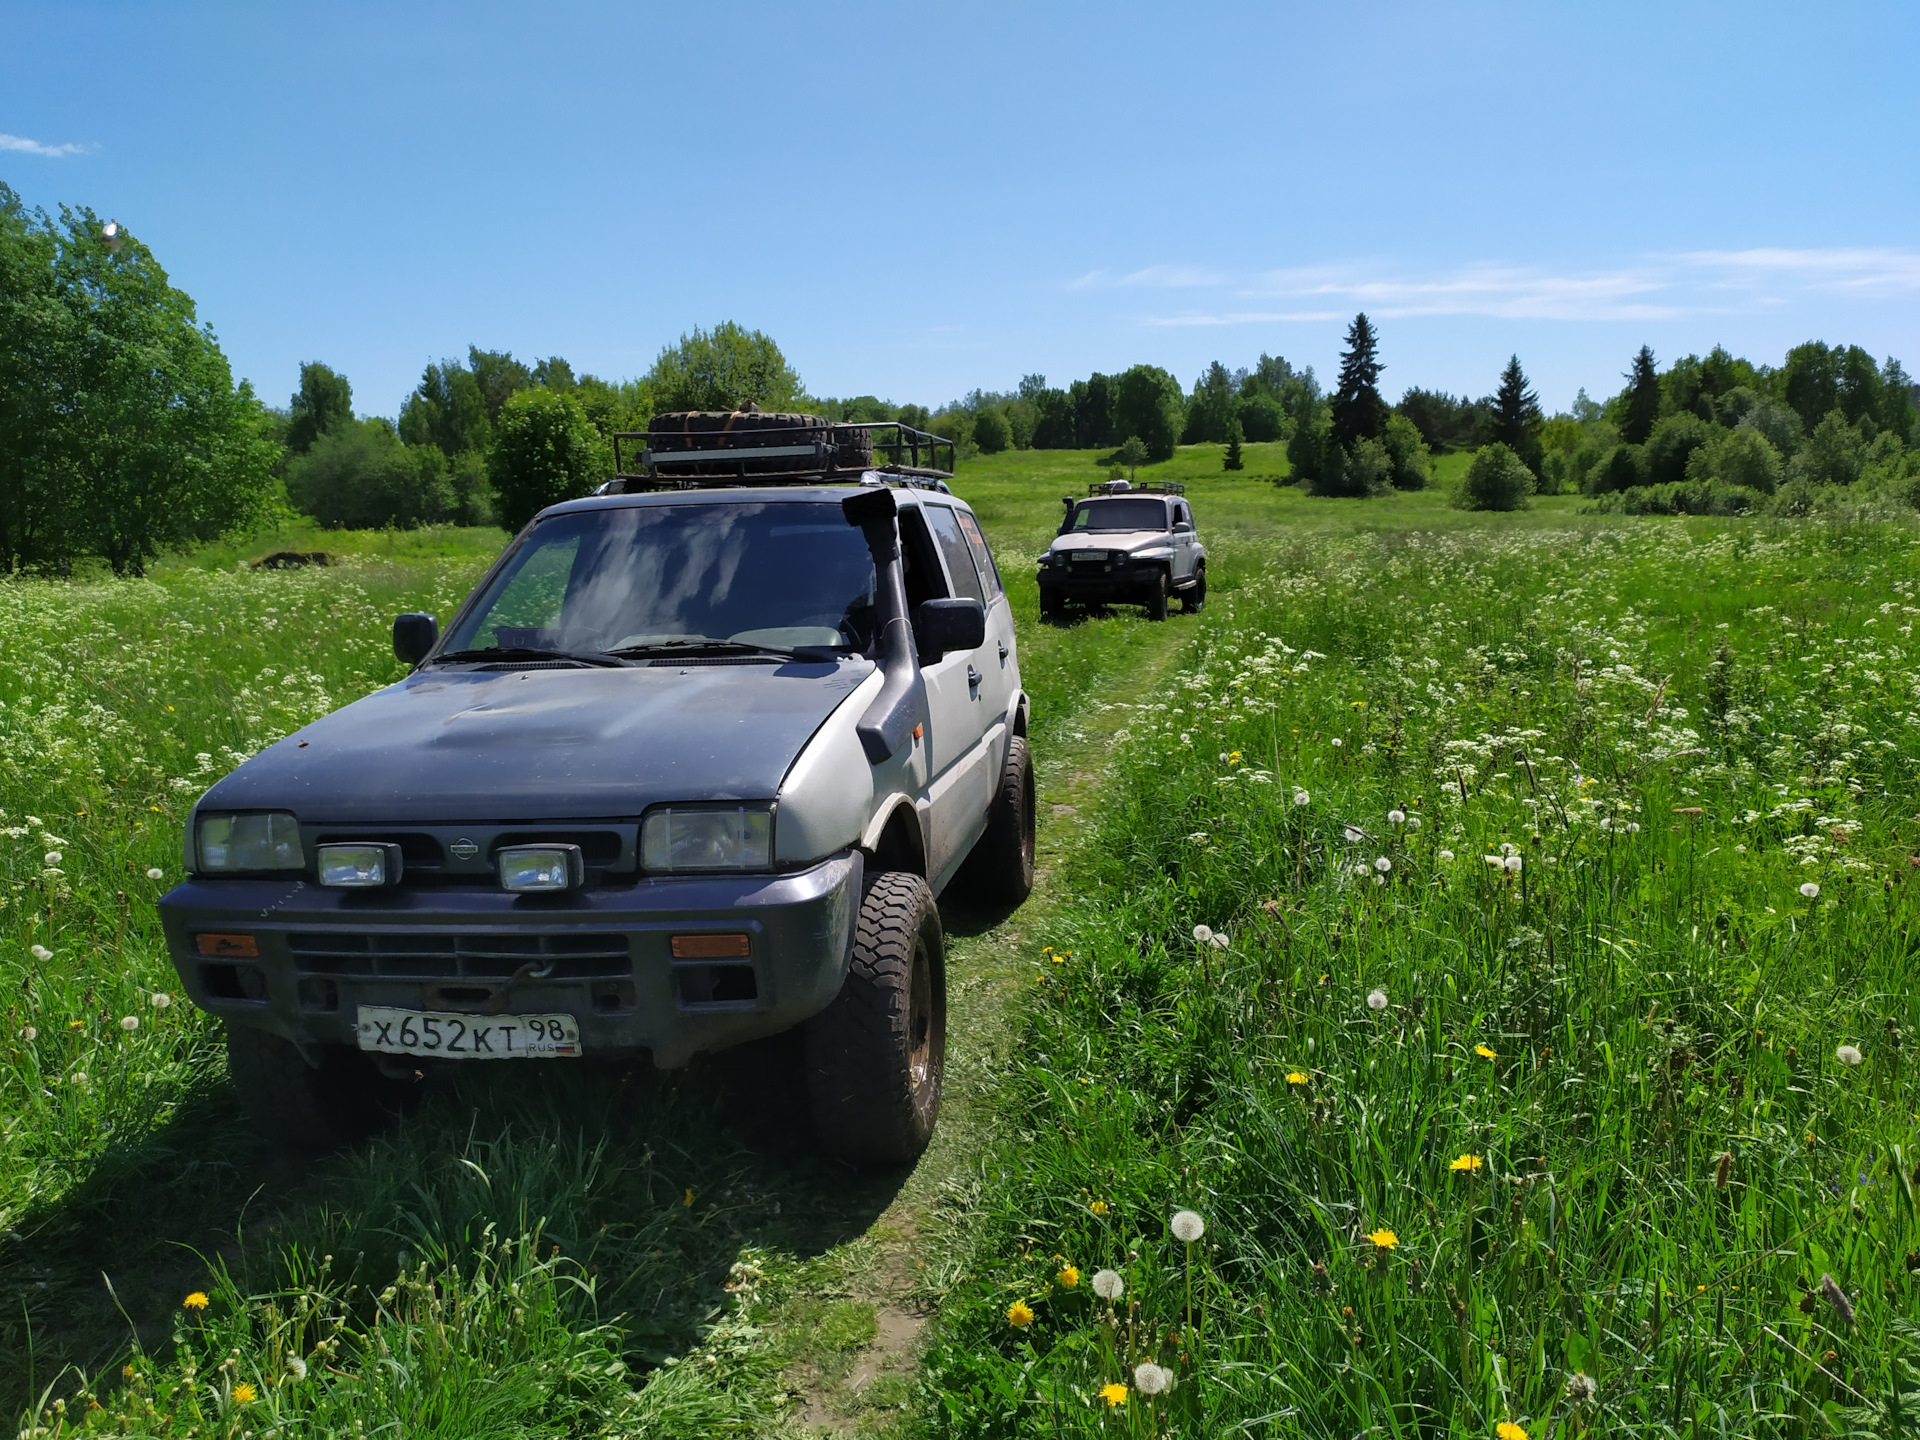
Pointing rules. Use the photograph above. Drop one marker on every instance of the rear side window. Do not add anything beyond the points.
(982, 556)
(946, 534)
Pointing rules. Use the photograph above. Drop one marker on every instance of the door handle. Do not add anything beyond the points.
(1004, 652)
(973, 682)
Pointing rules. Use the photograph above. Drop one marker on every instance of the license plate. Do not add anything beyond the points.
(467, 1037)
(1083, 557)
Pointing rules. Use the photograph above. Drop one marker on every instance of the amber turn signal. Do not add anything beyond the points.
(710, 947)
(244, 946)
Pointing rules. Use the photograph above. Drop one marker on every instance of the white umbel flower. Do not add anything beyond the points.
(1152, 1379)
(1108, 1285)
(1849, 1054)
(1810, 890)
(1188, 1226)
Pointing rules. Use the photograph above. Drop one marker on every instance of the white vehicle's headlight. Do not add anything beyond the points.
(707, 837)
(1164, 553)
(264, 840)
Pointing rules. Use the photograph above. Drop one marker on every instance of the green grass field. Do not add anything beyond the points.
(1464, 1136)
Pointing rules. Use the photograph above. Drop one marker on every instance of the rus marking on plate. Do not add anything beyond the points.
(464, 849)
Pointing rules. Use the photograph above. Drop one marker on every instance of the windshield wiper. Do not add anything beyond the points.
(729, 647)
(527, 652)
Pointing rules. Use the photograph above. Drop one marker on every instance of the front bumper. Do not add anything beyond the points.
(603, 955)
(1121, 580)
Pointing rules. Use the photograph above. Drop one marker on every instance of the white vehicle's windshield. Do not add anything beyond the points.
(780, 575)
(1134, 514)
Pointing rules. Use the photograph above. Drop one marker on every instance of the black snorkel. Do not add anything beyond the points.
(901, 706)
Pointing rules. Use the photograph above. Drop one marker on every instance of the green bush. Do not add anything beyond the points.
(545, 450)
(991, 432)
(358, 476)
(1689, 497)
(1672, 444)
(1737, 457)
(1412, 462)
(1369, 468)
(1496, 480)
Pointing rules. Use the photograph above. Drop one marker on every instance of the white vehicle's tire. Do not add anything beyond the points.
(877, 1055)
(1000, 868)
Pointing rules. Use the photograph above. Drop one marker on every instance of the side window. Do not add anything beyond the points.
(982, 556)
(946, 533)
(920, 568)
(1180, 512)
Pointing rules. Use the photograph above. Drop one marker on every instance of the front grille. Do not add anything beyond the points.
(440, 956)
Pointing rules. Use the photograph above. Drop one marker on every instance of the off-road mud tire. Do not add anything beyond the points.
(712, 430)
(1000, 869)
(876, 1056)
(1195, 595)
(1156, 598)
(305, 1108)
(1052, 602)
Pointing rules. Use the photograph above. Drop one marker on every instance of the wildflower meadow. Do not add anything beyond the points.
(1483, 1012)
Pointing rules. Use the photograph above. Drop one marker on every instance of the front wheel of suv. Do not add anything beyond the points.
(1196, 593)
(310, 1108)
(876, 1055)
(1156, 601)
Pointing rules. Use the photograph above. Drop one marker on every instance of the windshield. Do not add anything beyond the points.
(779, 574)
(1140, 514)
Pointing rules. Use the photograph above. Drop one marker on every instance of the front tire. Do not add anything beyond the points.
(1196, 594)
(876, 1056)
(1156, 601)
(1000, 869)
(1052, 603)
(302, 1107)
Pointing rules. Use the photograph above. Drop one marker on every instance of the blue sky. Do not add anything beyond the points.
(915, 200)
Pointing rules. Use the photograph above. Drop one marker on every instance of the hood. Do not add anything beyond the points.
(1127, 540)
(472, 745)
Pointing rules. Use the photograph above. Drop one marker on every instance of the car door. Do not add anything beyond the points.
(998, 658)
(1183, 544)
(959, 783)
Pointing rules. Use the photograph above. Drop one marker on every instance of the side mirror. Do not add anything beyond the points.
(949, 625)
(413, 636)
(1181, 527)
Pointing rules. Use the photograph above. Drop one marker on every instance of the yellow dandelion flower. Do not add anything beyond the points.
(196, 1301)
(1098, 1207)
(686, 1200)
(1115, 1395)
(1485, 1054)
(1019, 1314)
(1068, 1277)
(1296, 1077)
(244, 1394)
(1384, 1239)
(1507, 1430)
(1468, 1163)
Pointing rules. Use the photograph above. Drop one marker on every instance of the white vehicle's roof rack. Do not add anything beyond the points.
(1145, 487)
(696, 450)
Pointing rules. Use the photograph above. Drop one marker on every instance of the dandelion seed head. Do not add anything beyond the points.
(54, 857)
(1301, 797)
(1849, 1054)
(1383, 864)
(29, 1034)
(1445, 855)
(1108, 1285)
(1188, 1226)
(1581, 1387)
(1376, 999)
(1633, 827)
(156, 873)
(1220, 940)
(1810, 890)
(1152, 1379)
(40, 953)
(1396, 817)
(1512, 862)
(161, 1000)
(1506, 848)
(1354, 837)
(296, 1368)
(1202, 934)
(1336, 742)
(1413, 822)
(129, 1023)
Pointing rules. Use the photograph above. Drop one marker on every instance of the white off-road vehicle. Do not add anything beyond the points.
(1128, 546)
(689, 767)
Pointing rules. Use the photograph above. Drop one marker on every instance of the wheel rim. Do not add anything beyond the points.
(920, 1023)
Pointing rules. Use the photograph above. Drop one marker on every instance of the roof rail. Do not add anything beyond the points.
(1145, 487)
(697, 451)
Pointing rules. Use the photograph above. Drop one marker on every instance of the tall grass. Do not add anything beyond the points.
(1504, 942)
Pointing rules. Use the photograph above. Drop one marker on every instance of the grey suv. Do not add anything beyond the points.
(1125, 546)
(689, 767)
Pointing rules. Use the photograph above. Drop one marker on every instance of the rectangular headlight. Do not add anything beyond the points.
(535, 869)
(269, 840)
(358, 867)
(707, 837)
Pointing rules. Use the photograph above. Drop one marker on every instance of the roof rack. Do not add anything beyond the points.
(1145, 487)
(732, 450)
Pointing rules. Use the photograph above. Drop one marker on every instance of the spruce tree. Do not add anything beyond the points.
(1358, 411)
(1516, 416)
(1234, 435)
(1642, 399)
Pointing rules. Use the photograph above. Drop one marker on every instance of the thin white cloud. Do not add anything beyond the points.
(20, 145)
(1650, 288)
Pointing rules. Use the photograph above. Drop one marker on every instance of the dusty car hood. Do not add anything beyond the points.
(461, 745)
(1126, 540)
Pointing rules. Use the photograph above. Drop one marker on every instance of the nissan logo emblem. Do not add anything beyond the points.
(464, 849)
